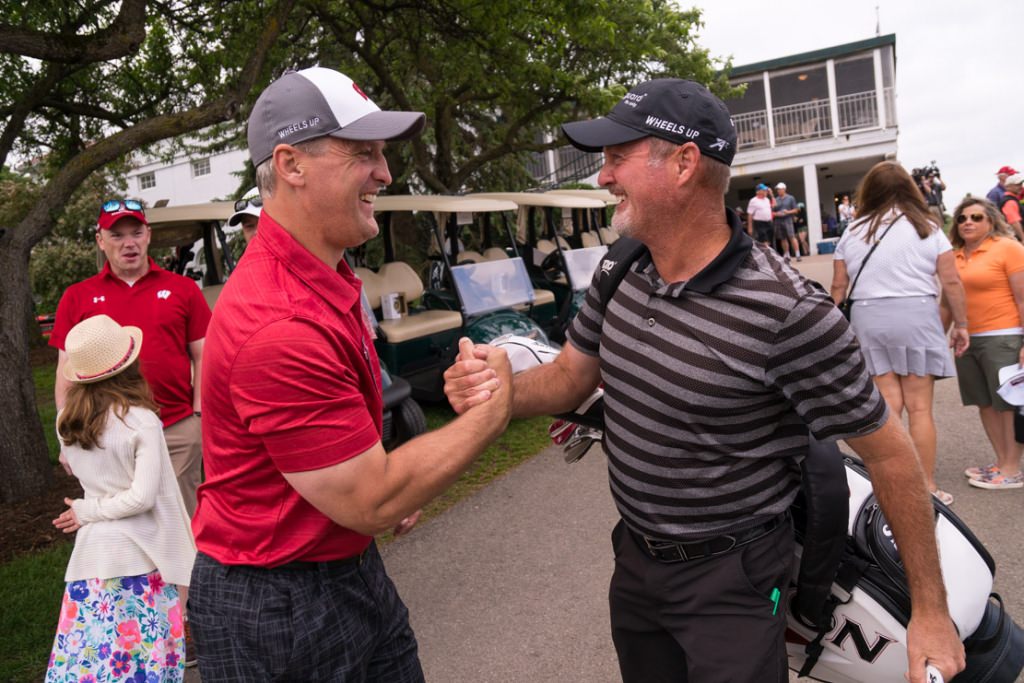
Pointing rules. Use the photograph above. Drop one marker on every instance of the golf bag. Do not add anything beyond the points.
(848, 604)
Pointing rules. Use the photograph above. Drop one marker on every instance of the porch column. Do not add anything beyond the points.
(768, 108)
(833, 99)
(876, 57)
(813, 204)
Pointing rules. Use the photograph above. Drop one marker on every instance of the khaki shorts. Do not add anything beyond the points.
(185, 446)
(977, 371)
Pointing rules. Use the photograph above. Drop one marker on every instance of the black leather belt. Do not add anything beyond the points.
(673, 551)
(299, 566)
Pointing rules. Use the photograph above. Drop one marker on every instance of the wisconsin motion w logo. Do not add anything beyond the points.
(163, 294)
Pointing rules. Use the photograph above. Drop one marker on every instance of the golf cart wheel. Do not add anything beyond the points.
(410, 421)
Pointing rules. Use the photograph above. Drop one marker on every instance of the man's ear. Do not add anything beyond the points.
(287, 165)
(685, 161)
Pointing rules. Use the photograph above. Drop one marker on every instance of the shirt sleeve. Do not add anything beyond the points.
(1011, 209)
(1013, 256)
(942, 241)
(585, 331)
(150, 447)
(292, 388)
(817, 365)
(64, 319)
(198, 315)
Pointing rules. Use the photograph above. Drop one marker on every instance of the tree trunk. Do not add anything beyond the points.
(23, 457)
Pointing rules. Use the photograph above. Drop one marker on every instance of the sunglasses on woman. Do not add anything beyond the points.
(240, 204)
(975, 218)
(115, 205)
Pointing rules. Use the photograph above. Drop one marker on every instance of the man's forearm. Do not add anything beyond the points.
(547, 390)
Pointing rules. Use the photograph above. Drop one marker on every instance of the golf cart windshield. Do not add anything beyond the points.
(581, 264)
(492, 285)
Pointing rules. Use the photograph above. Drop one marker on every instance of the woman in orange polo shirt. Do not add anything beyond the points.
(991, 266)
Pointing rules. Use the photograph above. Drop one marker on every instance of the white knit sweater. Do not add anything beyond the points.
(133, 516)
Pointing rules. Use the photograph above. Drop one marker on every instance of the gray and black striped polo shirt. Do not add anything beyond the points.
(712, 384)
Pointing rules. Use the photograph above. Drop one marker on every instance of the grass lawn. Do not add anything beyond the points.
(31, 585)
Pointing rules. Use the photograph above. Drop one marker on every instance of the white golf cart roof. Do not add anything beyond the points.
(547, 199)
(440, 203)
(604, 195)
(177, 225)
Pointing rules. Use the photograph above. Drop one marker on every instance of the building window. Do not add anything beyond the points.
(200, 167)
(147, 180)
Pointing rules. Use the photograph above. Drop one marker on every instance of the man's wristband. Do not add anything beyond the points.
(197, 413)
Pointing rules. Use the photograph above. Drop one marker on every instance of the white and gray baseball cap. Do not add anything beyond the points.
(308, 104)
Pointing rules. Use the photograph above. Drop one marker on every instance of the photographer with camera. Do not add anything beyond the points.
(930, 183)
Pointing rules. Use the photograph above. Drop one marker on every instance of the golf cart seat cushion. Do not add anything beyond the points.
(373, 285)
(495, 254)
(609, 235)
(399, 277)
(589, 239)
(545, 246)
(469, 256)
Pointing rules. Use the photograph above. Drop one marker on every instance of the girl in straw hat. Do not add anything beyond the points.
(121, 618)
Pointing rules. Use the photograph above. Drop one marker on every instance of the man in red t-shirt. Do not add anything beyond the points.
(172, 314)
(288, 581)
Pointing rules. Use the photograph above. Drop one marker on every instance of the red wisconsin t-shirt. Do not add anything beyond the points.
(291, 383)
(168, 308)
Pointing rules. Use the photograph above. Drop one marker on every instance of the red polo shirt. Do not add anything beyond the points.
(291, 383)
(168, 308)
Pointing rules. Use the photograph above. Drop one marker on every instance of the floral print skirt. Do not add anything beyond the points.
(125, 629)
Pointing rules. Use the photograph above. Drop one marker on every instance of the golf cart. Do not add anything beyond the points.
(473, 294)
(202, 250)
(562, 256)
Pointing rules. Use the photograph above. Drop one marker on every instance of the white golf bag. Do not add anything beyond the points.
(848, 605)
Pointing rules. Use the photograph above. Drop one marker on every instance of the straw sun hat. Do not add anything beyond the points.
(98, 348)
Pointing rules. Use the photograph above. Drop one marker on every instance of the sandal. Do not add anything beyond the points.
(943, 497)
(980, 472)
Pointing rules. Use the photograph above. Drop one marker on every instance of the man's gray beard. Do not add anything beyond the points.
(621, 226)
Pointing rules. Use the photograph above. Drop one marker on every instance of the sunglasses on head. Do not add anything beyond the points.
(251, 201)
(115, 205)
(975, 218)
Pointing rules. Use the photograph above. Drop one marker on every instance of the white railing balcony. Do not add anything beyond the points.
(857, 111)
(890, 107)
(751, 130)
(803, 121)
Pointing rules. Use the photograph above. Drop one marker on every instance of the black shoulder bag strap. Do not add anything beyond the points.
(622, 254)
(849, 294)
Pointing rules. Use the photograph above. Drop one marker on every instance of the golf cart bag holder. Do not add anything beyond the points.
(851, 603)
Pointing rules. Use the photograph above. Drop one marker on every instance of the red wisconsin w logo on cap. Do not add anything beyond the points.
(359, 90)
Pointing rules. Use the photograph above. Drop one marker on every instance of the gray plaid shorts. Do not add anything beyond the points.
(342, 622)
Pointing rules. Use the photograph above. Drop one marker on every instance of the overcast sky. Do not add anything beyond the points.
(959, 70)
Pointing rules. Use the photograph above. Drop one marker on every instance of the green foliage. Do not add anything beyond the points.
(57, 264)
(30, 591)
(44, 376)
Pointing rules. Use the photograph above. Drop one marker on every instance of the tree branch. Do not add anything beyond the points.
(52, 74)
(123, 37)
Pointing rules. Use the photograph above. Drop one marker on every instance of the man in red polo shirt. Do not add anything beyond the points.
(172, 314)
(288, 582)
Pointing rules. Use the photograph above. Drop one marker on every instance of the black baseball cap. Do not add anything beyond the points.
(672, 109)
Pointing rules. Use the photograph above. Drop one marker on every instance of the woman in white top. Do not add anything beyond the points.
(120, 618)
(895, 308)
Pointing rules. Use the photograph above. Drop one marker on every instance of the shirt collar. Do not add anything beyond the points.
(313, 272)
(107, 272)
(725, 265)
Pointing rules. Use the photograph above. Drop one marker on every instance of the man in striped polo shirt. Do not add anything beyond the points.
(717, 359)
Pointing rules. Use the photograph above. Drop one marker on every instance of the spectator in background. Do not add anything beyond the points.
(247, 212)
(846, 213)
(995, 195)
(895, 314)
(783, 212)
(991, 266)
(800, 223)
(172, 314)
(759, 216)
(1010, 204)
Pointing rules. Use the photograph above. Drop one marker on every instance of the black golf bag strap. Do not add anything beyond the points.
(616, 263)
(851, 568)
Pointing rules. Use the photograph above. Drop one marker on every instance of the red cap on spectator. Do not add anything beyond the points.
(1007, 170)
